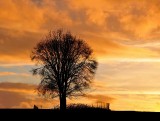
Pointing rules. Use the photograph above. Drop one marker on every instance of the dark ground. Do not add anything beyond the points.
(75, 115)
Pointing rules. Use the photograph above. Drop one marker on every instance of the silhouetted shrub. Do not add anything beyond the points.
(78, 106)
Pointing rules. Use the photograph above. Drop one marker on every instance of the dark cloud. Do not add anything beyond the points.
(100, 98)
(21, 95)
(39, 3)
(8, 85)
(15, 42)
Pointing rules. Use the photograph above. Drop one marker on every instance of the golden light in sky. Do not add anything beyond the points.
(124, 34)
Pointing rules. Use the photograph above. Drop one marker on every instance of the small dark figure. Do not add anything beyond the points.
(35, 107)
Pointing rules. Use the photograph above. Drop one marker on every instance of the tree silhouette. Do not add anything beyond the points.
(65, 65)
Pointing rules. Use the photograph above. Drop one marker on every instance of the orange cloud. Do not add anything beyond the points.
(17, 87)
(12, 73)
(21, 95)
(100, 98)
(6, 73)
(110, 32)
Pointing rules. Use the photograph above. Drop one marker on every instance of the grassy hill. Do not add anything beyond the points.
(76, 114)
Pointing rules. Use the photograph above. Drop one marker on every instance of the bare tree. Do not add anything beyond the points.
(65, 64)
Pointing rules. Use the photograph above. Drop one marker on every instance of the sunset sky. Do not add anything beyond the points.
(125, 37)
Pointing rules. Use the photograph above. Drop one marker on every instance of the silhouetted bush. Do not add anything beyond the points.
(78, 106)
(81, 107)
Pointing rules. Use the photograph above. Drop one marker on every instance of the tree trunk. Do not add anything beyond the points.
(63, 102)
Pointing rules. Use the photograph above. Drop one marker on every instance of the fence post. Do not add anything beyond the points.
(107, 106)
